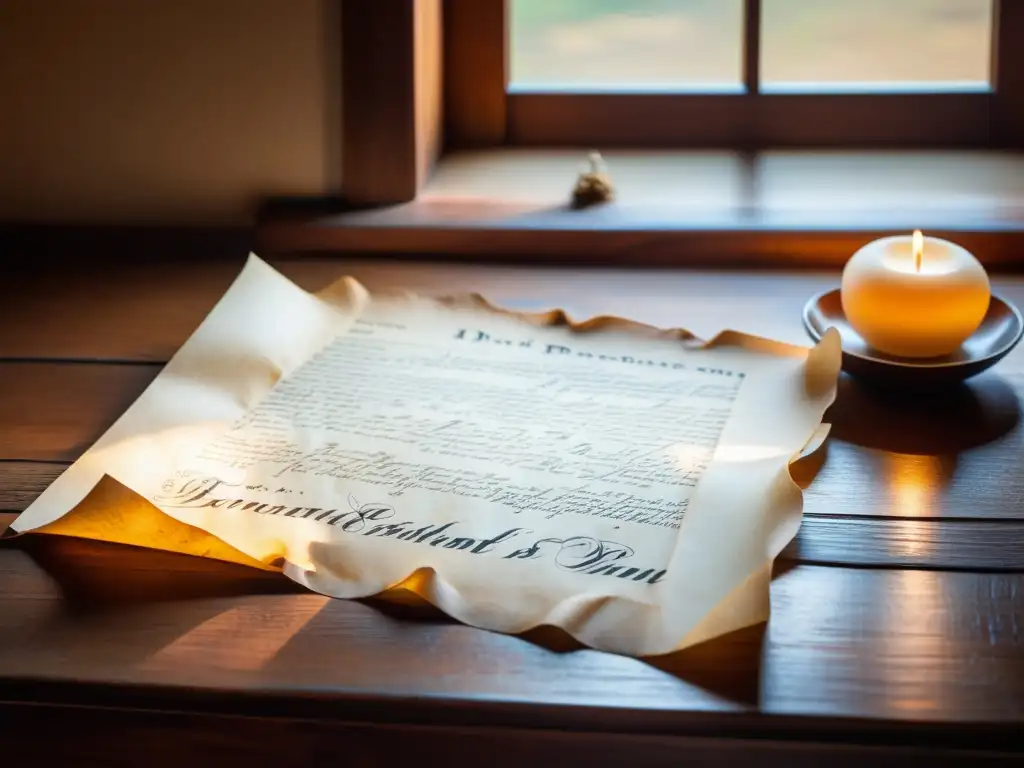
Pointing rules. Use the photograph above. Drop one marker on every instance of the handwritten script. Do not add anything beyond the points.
(505, 431)
(578, 554)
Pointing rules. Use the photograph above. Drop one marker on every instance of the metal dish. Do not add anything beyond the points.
(999, 333)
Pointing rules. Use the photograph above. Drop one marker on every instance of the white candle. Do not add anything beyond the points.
(914, 296)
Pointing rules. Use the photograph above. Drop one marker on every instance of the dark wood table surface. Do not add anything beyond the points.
(897, 627)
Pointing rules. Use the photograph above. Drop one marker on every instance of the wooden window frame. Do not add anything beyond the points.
(392, 122)
(424, 78)
(482, 112)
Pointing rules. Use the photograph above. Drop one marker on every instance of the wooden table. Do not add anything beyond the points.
(897, 627)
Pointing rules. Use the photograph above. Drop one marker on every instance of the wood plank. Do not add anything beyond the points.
(909, 543)
(101, 738)
(946, 455)
(833, 540)
(778, 209)
(55, 411)
(392, 110)
(770, 119)
(22, 481)
(711, 189)
(119, 626)
(474, 72)
(614, 237)
(1008, 60)
(146, 311)
(136, 311)
(379, 101)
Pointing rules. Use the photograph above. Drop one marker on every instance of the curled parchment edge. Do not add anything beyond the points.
(744, 604)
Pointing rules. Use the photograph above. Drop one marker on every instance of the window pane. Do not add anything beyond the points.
(574, 45)
(936, 44)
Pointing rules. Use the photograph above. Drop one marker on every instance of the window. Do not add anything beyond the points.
(654, 83)
(748, 73)
(697, 45)
(642, 45)
(877, 45)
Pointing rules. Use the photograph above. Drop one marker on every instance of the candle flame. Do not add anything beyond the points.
(918, 249)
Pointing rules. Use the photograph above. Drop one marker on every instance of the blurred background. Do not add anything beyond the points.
(698, 43)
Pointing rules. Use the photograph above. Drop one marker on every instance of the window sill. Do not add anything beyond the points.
(683, 208)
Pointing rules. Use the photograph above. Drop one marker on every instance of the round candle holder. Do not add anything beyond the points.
(1000, 331)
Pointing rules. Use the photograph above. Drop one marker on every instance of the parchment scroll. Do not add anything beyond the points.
(626, 484)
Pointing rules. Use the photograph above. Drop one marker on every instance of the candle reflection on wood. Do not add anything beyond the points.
(915, 485)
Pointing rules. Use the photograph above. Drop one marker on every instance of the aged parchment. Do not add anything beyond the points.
(626, 484)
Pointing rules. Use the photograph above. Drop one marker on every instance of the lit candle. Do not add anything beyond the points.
(914, 296)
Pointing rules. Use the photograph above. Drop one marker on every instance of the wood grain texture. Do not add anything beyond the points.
(466, 231)
(87, 738)
(474, 73)
(967, 545)
(54, 411)
(719, 209)
(1008, 60)
(139, 312)
(378, 101)
(758, 121)
(944, 456)
(392, 92)
(22, 481)
(144, 312)
(918, 647)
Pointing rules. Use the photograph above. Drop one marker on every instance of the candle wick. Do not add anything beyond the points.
(918, 258)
